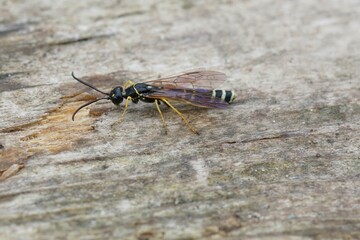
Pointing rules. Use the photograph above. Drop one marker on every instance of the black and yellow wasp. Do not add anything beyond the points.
(196, 88)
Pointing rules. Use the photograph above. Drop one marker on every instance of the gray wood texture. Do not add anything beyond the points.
(282, 162)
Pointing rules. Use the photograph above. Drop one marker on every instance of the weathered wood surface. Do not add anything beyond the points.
(283, 161)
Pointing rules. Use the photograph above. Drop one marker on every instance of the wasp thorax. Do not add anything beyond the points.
(116, 95)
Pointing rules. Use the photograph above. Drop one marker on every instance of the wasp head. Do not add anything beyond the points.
(116, 95)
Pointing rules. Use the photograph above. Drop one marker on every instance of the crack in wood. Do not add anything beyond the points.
(76, 40)
(278, 136)
(10, 74)
(122, 15)
(7, 29)
(266, 138)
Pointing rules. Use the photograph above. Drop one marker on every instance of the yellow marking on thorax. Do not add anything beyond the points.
(137, 92)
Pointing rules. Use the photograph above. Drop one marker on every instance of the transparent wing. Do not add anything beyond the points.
(198, 97)
(201, 79)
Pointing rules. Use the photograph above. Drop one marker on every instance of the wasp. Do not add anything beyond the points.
(196, 88)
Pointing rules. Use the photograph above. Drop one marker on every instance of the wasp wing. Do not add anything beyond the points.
(197, 97)
(201, 79)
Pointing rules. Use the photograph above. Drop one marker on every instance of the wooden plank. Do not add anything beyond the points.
(281, 162)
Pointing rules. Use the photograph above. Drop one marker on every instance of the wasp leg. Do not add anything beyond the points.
(161, 115)
(180, 114)
(127, 84)
(165, 104)
(128, 99)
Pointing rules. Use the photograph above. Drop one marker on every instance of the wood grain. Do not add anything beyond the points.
(282, 162)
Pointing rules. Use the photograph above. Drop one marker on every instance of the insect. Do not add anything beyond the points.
(196, 88)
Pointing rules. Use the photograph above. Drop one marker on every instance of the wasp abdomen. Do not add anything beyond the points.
(227, 96)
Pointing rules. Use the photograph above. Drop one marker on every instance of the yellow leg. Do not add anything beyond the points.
(161, 115)
(128, 84)
(180, 114)
(128, 99)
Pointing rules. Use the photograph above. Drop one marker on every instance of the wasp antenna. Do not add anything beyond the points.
(88, 84)
(86, 104)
